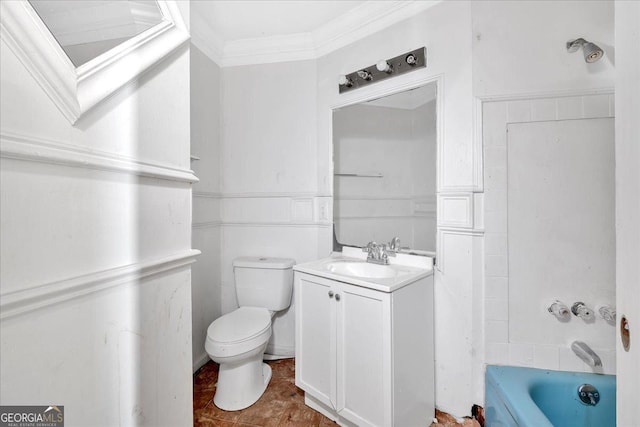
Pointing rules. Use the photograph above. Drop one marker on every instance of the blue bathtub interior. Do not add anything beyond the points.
(529, 397)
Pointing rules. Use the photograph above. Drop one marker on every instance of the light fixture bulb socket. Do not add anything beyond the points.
(411, 59)
(344, 81)
(384, 66)
(364, 75)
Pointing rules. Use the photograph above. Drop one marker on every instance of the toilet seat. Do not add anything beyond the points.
(238, 332)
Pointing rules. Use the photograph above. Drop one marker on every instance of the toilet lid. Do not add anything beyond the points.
(240, 325)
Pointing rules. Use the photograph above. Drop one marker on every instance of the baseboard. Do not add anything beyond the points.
(273, 352)
(200, 361)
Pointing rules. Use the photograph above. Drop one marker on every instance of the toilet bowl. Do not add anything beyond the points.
(237, 340)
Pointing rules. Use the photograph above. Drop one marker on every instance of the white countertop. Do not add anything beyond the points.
(410, 267)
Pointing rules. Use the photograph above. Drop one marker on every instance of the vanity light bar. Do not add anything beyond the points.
(401, 64)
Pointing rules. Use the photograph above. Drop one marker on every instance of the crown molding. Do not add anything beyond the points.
(205, 39)
(355, 24)
(364, 20)
(266, 50)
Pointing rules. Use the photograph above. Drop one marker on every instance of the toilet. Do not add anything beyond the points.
(237, 340)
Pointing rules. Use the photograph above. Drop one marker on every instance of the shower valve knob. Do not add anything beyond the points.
(607, 312)
(580, 309)
(558, 309)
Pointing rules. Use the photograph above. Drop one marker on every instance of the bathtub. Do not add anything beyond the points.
(528, 397)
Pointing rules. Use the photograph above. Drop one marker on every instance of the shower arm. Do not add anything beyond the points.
(574, 45)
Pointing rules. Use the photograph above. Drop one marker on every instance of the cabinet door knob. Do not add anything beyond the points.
(331, 294)
(337, 297)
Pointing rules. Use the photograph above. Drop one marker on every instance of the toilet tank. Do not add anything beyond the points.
(264, 282)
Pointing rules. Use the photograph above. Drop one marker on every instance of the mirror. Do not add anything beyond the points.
(385, 157)
(85, 29)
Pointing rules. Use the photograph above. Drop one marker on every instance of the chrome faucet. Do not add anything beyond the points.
(394, 245)
(378, 254)
(584, 352)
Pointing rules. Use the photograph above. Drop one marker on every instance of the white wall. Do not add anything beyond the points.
(519, 47)
(205, 145)
(561, 234)
(270, 202)
(95, 256)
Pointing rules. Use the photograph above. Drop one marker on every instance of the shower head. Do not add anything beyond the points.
(591, 51)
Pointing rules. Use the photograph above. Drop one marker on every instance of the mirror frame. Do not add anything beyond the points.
(388, 88)
(76, 90)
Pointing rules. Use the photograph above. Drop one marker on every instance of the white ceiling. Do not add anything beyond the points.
(239, 32)
(242, 19)
(242, 32)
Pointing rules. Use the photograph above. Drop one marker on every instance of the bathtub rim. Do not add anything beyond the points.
(510, 390)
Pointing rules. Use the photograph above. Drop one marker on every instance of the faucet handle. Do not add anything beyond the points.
(607, 312)
(558, 309)
(388, 250)
(370, 246)
(394, 245)
(580, 309)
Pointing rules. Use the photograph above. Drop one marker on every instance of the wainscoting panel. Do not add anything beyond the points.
(455, 210)
(281, 209)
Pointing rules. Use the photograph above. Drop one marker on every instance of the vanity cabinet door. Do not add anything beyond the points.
(364, 356)
(315, 318)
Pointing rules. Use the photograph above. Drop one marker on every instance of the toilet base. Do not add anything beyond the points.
(240, 385)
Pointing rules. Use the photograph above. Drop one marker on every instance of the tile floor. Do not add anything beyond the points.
(281, 405)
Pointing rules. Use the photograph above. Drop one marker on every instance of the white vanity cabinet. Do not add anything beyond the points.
(363, 356)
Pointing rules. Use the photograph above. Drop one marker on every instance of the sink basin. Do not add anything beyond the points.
(363, 269)
(351, 267)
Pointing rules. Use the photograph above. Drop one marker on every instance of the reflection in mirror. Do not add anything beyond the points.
(86, 29)
(384, 154)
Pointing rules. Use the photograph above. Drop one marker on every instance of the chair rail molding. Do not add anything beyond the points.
(34, 297)
(35, 149)
(76, 90)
